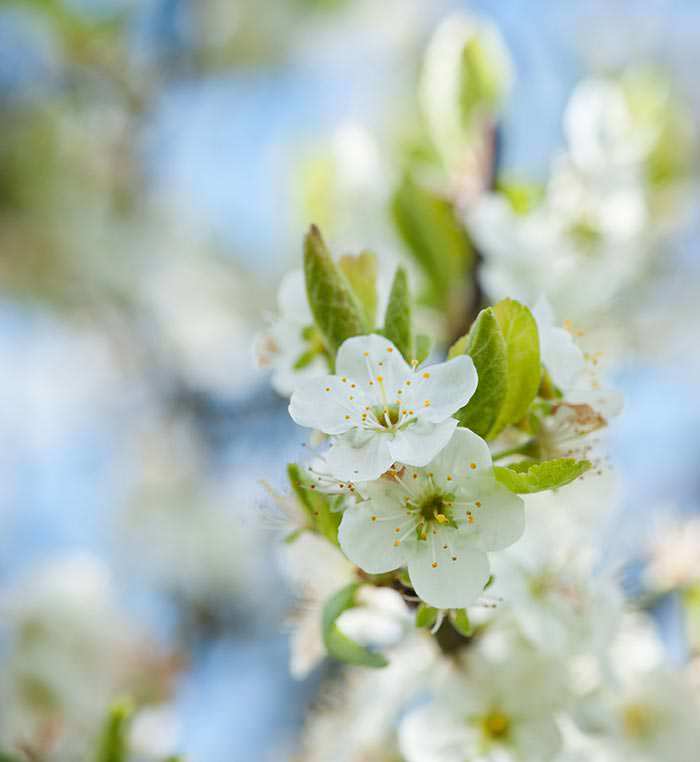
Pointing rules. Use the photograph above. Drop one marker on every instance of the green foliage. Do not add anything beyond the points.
(527, 477)
(333, 304)
(461, 623)
(112, 746)
(433, 236)
(361, 273)
(519, 331)
(426, 616)
(423, 346)
(339, 646)
(319, 508)
(398, 326)
(486, 345)
(5, 757)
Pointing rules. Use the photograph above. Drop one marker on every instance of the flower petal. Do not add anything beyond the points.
(428, 733)
(560, 353)
(323, 403)
(420, 442)
(538, 738)
(441, 390)
(466, 456)
(367, 358)
(291, 299)
(359, 456)
(450, 584)
(370, 543)
(499, 521)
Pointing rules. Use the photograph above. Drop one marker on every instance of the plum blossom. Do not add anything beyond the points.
(291, 347)
(380, 410)
(438, 520)
(493, 707)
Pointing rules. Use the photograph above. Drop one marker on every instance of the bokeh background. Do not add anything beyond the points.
(159, 163)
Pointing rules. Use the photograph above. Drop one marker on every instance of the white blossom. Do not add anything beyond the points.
(291, 347)
(379, 410)
(491, 707)
(439, 520)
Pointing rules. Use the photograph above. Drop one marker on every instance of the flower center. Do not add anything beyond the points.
(436, 506)
(388, 416)
(496, 725)
(637, 720)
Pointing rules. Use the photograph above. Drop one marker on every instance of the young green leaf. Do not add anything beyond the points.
(338, 645)
(536, 477)
(433, 236)
(334, 307)
(112, 745)
(361, 273)
(398, 327)
(426, 616)
(318, 507)
(423, 345)
(461, 623)
(519, 331)
(486, 346)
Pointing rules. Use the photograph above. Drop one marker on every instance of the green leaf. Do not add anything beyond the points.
(398, 326)
(319, 507)
(433, 236)
(335, 308)
(426, 616)
(535, 477)
(361, 273)
(422, 349)
(519, 331)
(338, 645)
(5, 757)
(461, 623)
(112, 746)
(486, 346)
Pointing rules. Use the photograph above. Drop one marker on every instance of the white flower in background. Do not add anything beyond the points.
(492, 707)
(292, 347)
(586, 406)
(317, 570)
(380, 410)
(548, 588)
(653, 718)
(467, 75)
(355, 720)
(439, 520)
(70, 650)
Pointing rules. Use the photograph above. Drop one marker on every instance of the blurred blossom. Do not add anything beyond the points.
(60, 668)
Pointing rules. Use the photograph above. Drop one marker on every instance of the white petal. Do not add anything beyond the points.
(365, 358)
(420, 442)
(500, 519)
(368, 543)
(466, 456)
(323, 403)
(359, 456)
(559, 352)
(440, 390)
(291, 299)
(452, 584)
(430, 734)
(538, 739)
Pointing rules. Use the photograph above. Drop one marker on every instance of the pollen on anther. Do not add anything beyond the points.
(351, 397)
(347, 417)
(366, 354)
(454, 558)
(449, 477)
(373, 518)
(312, 486)
(472, 466)
(380, 379)
(426, 403)
(478, 503)
(408, 383)
(397, 543)
(328, 388)
(426, 374)
(390, 349)
(415, 475)
(397, 529)
(434, 564)
(344, 379)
